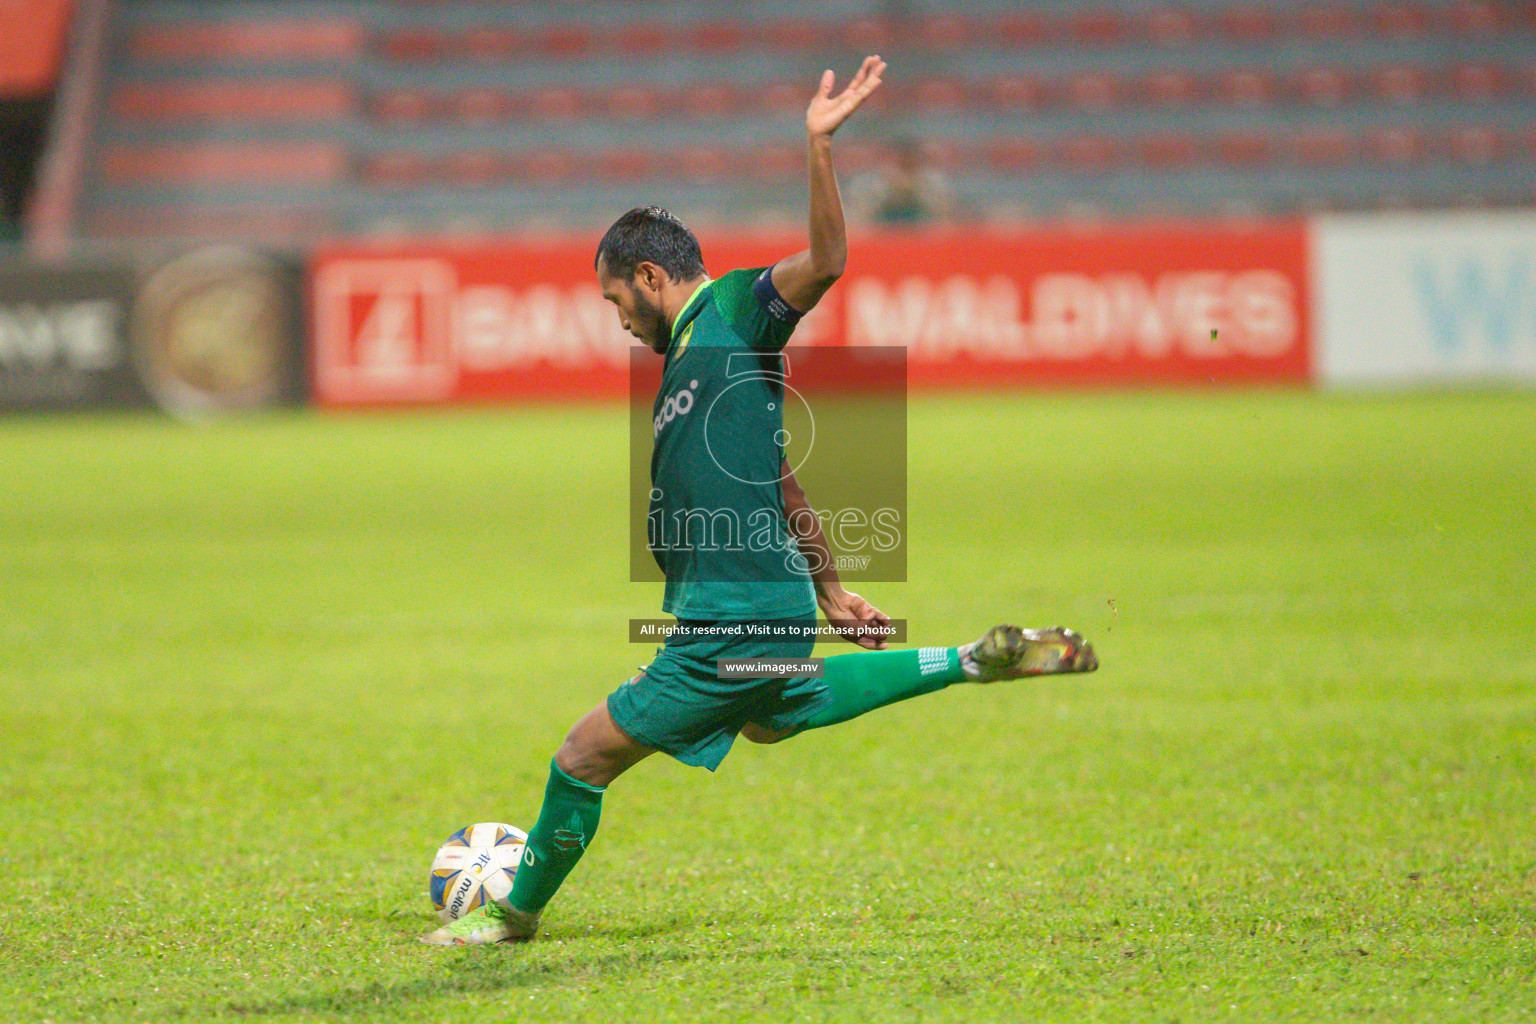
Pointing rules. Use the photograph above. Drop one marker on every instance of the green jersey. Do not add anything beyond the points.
(716, 520)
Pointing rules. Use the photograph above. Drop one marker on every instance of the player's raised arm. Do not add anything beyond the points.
(802, 279)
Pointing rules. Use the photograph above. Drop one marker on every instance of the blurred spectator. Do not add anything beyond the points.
(905, 190)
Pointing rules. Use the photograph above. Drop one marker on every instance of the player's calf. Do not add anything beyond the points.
(1008, 652)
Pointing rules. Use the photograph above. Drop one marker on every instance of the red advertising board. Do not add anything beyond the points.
(1164, 305)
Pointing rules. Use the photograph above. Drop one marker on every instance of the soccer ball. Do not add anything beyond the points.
(476, 863)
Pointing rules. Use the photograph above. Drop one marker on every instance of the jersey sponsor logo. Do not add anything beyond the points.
(566, 840)
(679, 403)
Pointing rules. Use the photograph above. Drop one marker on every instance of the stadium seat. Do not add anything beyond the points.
(285, 100)
(644, 39)
(226, 162)
(1401, 19)
(1173, 26)
(1021, 29)
(1403, 84)
(1016, 92)
(1088, 154)
(1092, 91)
(1323, 87)
(1478, 18)
(947, 31)
(940, 95)
(1476, 144)
(562, 42)
(412, 45)
(490, 43)
(480, 106)
(556, 103)
(1097, 27)
(1323, 147)
(1397, 145)
(1478, 83)
(1246, 24)
(714, 100)
(1247, 87)
(407, 106)
(267, 42)
(1012, 155)
(637, 102)
(1162, 152)
(1326, 21)
(1245, 149)
(715, 37)
(1170, 87)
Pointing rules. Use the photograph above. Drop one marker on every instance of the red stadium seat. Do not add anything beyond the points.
(1088, 153)
(1173, 26)
(632, 102)
(1401, 19)
(1404, 84)
(481, 106)
(868, 35)
(1478, 18)
(947, 32)
(1396, 145)
(414, 45)
(1021, 29)
(1478, 83)
(311, 162)
(626, 164)
(776, 161)
(1324, 87)
(793, 35)
(940, 95)
(477, 168)
(556, 104)
(1323, 147)
(547, 167)
(407, 106)
(1247, 87)
(705, 164)
(265, 41)
(1016, 92)
(1170, 87)
(1249, 24)
(785, 97)
(488, 42)
(285, 100)
(1093, 91)
(1010, 156)
(1097, 28)
(1166, 151)
(644, 39)
(1245, 149)
(715, 37)
(1326, 21)
(395, 168)
(1477, 144)
(713, 100)
(563, 41)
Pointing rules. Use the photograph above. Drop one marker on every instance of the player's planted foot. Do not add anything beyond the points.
(484, 926)
(1008, 652)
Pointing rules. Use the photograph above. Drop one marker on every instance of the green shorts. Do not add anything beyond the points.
(678, 706)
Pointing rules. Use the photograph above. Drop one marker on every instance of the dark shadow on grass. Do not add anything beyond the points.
(468, 972)
(479, 971)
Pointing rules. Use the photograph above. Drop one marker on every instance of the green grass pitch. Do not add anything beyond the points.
(253, 674)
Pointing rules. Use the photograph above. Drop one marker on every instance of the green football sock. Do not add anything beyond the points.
(863, 682)
(566, 824)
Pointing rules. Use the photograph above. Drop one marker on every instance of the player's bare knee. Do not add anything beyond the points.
(757, 734)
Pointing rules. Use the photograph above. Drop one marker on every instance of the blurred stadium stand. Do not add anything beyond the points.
(288, 120)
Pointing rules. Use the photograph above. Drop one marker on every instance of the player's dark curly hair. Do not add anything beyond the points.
(650, 234)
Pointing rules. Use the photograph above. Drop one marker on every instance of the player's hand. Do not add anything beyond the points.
(849, 611)
(827, 112)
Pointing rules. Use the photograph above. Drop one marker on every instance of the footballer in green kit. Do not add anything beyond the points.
(746, 563)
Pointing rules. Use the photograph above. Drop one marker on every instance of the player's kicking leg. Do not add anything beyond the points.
(856, 684)
(594, 754)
